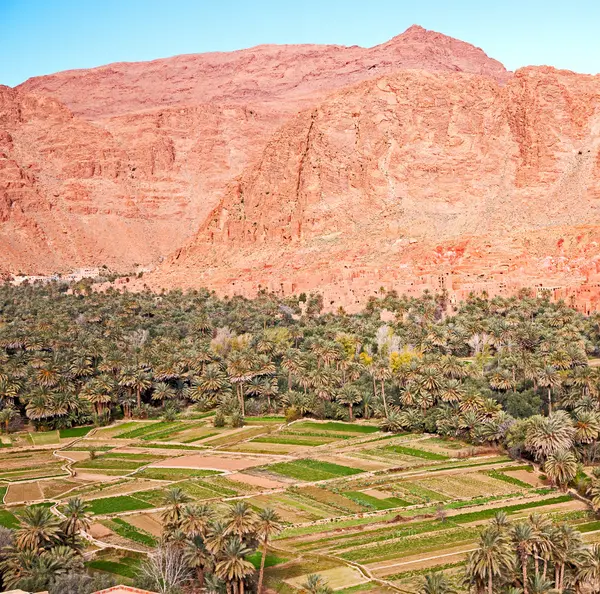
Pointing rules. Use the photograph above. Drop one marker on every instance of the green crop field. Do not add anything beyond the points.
(415, 453)
(121, 569)
(173, 474)
(120, 503)
(8, 519)
(334, 426)
(311, 470)
(74, 432)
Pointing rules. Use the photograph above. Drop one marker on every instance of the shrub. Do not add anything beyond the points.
(237, 420)
(292, 414)
(81, 583)
(219, 420)
(394, 423)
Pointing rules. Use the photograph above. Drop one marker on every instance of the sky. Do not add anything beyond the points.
(44, 36)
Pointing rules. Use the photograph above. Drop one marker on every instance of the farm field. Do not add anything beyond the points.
(369, 511)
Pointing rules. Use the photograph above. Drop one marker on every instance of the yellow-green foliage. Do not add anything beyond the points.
(348, 343)
(401, 359)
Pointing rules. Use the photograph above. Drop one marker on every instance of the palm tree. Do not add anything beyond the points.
(195, 519)
(240, 519)
(587, 427)
(7, 414)
(382, 372)
(292, 363)
(39, 405)
(39, 569)
(567, 545)
(451, 391)
(99, 392)
(39, 529)
(349, 396)
(550, 379)
(492, 559)
(540, 585)
(9, 389)
(547, 435)
(588, 568)
(162, 391)
(232, 567)
(594, 492)
(209, 384)
(523, 537)
(542, 544)
(216, 537)
(500, 522)
(175, 500)
(138, 381)
(197, 557)
(435, 582)
(561, 468)
(268, 525)
(77, 518)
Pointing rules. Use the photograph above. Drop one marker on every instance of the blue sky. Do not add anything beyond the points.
(44, 36)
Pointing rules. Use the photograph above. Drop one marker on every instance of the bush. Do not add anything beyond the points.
(237, 420)
(219, 420)
(394, 423)
(292, 414)
(81, 583)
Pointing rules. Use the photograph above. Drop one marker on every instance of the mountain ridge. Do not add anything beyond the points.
(418, 163)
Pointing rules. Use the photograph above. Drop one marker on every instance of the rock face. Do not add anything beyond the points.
(415, 180)
(419, 163)
(120, 165)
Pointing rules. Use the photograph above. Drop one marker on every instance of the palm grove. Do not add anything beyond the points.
(507, 372)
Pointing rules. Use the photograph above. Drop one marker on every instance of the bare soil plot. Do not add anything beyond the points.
(45, 438)
(132, 486)
(229, 462)
(472, 484)
(99, 531)
(23, 460)
(265, 448)
(256, 480)
(339, 577)
(234, 436)
(23, 492)
(354, 462)
(94, 478)
(148, 522)
(573, 505)
(75, 456)
(109, 432)
(56, 487)
(531, 478)
(377, 493)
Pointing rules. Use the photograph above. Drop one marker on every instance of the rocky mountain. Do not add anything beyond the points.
(418, 163)
(120, 165)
